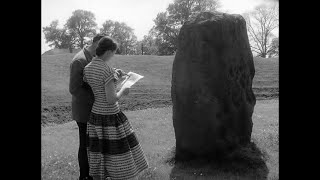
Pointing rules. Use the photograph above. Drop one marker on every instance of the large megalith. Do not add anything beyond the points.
(211, 87)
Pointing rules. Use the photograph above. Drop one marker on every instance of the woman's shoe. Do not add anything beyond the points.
(86, 178)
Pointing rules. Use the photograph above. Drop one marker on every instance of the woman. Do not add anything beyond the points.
(113, 149)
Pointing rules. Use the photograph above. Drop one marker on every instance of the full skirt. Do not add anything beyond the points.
(113, 148)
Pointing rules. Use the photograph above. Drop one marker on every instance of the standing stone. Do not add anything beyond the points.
(211, 88)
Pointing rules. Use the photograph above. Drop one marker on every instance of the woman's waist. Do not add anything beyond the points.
(105, 110)
(103, 103)
(105, 106)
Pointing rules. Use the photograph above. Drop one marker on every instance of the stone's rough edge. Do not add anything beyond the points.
(212, 16)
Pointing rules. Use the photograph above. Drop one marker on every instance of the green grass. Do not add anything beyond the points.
(152, 91)
(155, 132)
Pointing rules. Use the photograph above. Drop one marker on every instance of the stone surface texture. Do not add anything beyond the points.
(211, 90)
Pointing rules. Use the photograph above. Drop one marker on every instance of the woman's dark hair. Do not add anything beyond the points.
(106, 44)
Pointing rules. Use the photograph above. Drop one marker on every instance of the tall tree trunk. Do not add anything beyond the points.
(70, 49)
(142, 48)
(81, 42)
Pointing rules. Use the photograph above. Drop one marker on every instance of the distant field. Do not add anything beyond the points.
(151, 92)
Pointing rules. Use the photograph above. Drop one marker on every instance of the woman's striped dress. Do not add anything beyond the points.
(113, 148)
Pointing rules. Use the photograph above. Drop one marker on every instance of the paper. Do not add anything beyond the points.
(130, 80)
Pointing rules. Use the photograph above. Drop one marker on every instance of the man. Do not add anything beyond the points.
(82, 100)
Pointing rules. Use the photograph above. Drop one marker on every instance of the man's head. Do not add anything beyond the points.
(96, 39)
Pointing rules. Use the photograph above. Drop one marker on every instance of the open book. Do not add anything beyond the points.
(130, 80)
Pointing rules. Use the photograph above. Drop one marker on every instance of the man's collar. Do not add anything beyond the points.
(87, 54)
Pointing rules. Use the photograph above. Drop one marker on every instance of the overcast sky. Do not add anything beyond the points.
(138, 14)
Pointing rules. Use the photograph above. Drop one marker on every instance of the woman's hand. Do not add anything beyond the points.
(120, 73)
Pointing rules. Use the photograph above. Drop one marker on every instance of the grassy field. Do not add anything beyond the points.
(156, 135)
(153, 91)
(148, 108)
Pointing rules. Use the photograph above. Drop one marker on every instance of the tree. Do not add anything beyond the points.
(168, 24)
(122, 33)
(59, 38)
(147, 46)
(52, 34)
(68, 40)
(181, 10)
(260, 24)
(82, 25)
(274, 50)
(167, 34)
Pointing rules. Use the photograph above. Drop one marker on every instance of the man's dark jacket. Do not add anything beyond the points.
(82, 95)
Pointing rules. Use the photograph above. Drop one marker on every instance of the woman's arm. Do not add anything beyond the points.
(111, 94)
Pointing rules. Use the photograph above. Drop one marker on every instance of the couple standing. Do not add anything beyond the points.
(108, 147)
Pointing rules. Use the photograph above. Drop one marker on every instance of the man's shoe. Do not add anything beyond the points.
(86, 178)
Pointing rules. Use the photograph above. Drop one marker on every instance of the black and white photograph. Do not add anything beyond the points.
(160, 89)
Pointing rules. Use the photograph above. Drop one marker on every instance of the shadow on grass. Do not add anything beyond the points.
(244, 163)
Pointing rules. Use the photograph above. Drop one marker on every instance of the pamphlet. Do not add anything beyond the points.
(130, 80)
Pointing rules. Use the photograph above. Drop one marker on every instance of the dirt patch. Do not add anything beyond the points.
(59, 113)
(55, 114)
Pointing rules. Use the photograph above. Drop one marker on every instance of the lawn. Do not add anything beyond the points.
(156, 135)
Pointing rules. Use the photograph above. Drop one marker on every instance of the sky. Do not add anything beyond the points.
(138, 14)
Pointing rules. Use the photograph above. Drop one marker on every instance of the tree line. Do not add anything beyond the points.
(81, 27)
(162, 37)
